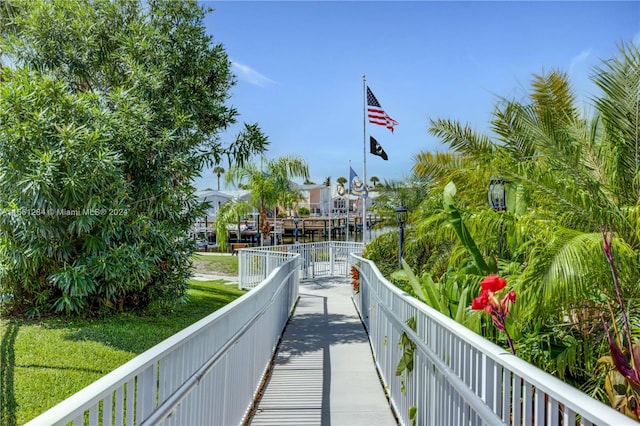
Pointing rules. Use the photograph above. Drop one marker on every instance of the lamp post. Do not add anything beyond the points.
(341, 193)
(296, 219)
(496, 194)
(401, 215)
(498, 202)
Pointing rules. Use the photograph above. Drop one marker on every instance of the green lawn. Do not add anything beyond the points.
(216, 263)
(45, 361)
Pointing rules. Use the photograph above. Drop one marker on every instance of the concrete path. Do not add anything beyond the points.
(232, 279)
(324, 372)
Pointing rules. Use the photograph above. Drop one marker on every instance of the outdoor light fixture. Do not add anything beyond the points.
(296, 219)
(496, 194)
(401, 215)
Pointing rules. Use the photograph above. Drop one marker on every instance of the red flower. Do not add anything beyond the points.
(493, 283)
(509, 297)
(482, 302)
(488, 302)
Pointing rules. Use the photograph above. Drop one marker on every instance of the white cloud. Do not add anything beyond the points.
(579, 60)
(251, 76)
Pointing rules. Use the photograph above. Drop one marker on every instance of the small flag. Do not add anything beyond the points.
(376, 148)
(376, 113)
(356, 186)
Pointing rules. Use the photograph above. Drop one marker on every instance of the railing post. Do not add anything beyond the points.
(331, 260)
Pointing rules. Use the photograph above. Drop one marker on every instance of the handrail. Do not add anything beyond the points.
(514, 391)
(324, 258)
(186, 366)
(458, 377)
(164, 410)
(476, 403)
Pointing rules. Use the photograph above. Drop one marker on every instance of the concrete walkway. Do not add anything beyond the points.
(324, 372)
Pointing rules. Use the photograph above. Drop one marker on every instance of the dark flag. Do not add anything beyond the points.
(376, 148)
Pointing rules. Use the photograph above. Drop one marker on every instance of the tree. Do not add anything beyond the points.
(374, 180)
(341, 180)
(269, 183)
(108, 114)
(569, 178)
(218, 171)
(230, 213)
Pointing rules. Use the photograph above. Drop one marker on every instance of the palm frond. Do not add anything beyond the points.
(619, 80)
(463, 139)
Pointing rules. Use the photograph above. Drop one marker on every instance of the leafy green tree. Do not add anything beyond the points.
(109, 112)
(230, 214)
(270, 184)
(569, 176)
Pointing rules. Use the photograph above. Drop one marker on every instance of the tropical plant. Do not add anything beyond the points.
(108, 113)
(622, 382)
(488, 302)
(218, 170)
(269, 184)
(568, 176)
(290, 199)
(374, 180)
(230, 214)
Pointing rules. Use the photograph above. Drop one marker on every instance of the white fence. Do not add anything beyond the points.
(319, 259)
(210, 372)
(458, 376)
(206, 374)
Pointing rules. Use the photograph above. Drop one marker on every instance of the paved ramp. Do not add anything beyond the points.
(324, 372)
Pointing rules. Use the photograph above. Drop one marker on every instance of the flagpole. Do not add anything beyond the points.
(364, 156)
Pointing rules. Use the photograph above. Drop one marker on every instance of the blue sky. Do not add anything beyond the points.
(299, 68)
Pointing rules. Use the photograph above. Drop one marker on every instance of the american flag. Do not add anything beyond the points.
(376, 113)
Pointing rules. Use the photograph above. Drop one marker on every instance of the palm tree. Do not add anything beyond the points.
(230, 213)
(218, 171)
(269, 183)
(341, 180)
(560, 170)
(374, 180)
(290, 199)
(569, 177)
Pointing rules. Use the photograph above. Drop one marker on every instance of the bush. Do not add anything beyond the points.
(303, 211)
(108, 115)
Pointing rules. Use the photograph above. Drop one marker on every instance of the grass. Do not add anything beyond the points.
(45, 361)
(216, 263)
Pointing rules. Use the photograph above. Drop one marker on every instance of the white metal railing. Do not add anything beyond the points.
(206, 374)
(325, 258)
(458, 376)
